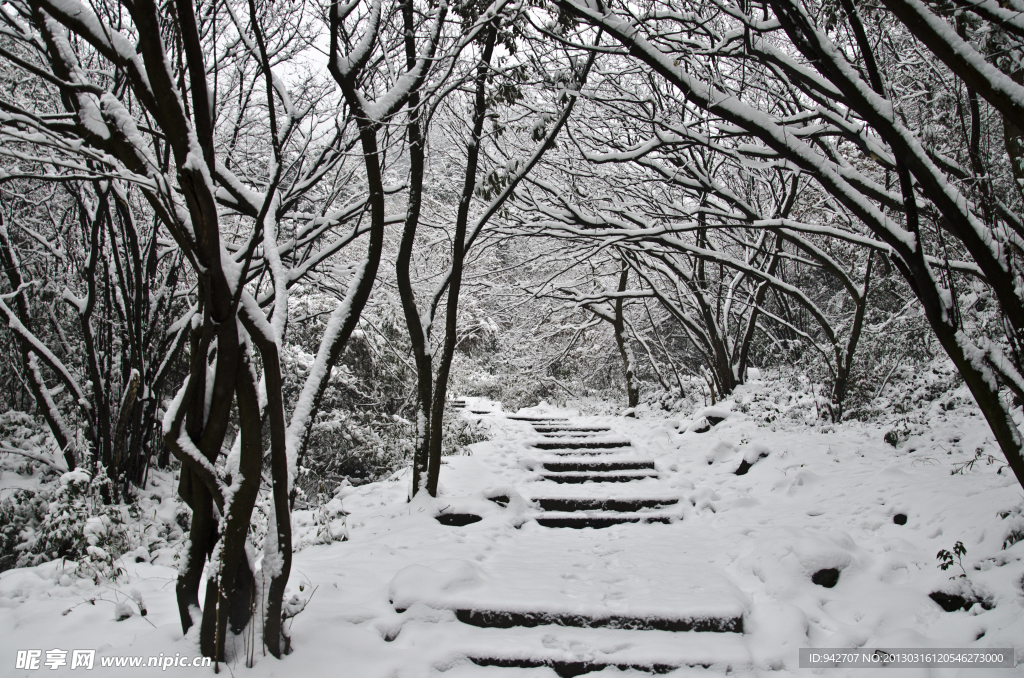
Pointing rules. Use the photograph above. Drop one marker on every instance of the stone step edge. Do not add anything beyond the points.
(571, 669)
(587, 456)
(639, 473)
(579, 521)
(571, 435)
(562, 504)
(590, 465)
(630, 504)
(583, 649)
(580, 444)
(506, 619)
(616, 477)
(588, 453)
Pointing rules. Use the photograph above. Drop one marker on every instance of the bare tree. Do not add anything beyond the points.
(709, 58)
(245, 171)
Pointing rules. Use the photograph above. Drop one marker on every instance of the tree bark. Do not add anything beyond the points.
(458, 260)
(625, 352)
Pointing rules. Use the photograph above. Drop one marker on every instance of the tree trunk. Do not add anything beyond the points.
(419, 332)
(625, 352)
(229, 584)
(458, 259)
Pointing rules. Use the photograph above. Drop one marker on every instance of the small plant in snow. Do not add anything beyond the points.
(291, 609)
(945, 559)
(979, 455)
(899, 432)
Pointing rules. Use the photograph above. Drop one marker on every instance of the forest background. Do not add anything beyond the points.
(225, 262)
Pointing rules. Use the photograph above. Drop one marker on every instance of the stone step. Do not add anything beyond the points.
(571, 429)
(538, 420)
(572, 434)
(592, 477)
(572, 651)
(467, 669)
(580, 444)
(631, 465)
(505, 619)
(591, 504)
(630, 582)
(577, 452)
(571, 669)
(569, 439)
(600, 519)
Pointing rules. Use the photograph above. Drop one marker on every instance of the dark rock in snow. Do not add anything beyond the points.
(900, 519)
(702, 426)
(828, 577)
(458, 519)
(951, 602)
(748, 462)
(122, 611)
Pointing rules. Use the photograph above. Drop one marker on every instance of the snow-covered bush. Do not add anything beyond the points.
(358, 446)
(460, 432)
(78, 526)
(24, 437)
(21, 513)
(362, 431)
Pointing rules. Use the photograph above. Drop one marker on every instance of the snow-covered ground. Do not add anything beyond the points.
(384, 602)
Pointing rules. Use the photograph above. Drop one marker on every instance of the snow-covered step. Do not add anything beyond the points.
(580, 452)
(573, 651)
(580, 444)
(571, 429)
(565, 465)
(569, 439)
(598, 477)
(676, 623)
(657, 579)
(600, 519)
(564, 504)
(572, 434)
(537, 420)
(571, 669)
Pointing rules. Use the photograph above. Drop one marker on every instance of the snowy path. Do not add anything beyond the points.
(580, 600)
(417, 591)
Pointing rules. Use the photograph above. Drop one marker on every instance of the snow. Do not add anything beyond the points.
(76, 476)
(736, 546)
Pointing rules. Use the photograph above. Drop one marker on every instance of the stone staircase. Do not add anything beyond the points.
(627, 598)
(587, 454)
